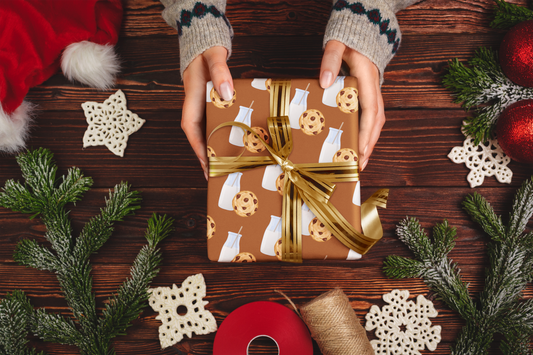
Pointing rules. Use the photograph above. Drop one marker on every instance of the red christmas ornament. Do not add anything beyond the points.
(515, 131)
(516, 54)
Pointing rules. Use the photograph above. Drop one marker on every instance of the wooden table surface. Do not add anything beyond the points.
(273, 38)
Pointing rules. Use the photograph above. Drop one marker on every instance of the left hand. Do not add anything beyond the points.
(370, 99)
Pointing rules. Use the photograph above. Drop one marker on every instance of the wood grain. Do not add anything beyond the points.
(288, 18)
(273, 38)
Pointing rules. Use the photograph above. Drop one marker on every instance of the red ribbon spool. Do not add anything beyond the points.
(262, 318)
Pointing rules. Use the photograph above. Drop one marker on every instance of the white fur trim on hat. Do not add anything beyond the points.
(91, 64)
(14, 128)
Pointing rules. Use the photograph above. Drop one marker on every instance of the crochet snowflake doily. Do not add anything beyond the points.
(485, 159)
(110, 123)
(188, 299)
(402, 326)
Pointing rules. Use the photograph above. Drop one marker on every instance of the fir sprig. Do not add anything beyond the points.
(507, 15)
(483, 85)
(44, 195)
(15, 317)
(500, 307)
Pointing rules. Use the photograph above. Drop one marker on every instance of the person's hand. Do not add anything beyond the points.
(367, 74)
(210, 65)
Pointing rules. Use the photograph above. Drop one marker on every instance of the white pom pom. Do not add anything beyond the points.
(14, 128)
(91, 64)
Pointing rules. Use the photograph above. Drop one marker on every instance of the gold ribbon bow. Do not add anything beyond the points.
(311, 183)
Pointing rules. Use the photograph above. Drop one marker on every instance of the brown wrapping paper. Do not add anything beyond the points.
(244, 209)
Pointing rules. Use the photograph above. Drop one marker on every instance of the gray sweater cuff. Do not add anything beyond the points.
(200, 26)
(368, 26)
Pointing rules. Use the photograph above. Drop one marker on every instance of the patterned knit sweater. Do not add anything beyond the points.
(368, 26)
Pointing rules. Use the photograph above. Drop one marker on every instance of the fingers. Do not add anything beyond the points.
(371, 101)
(211, 65)
(372, 116)
(215, 59)
(371, 122)
(331, 63)
(195, 78)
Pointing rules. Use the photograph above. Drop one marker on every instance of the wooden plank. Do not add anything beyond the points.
(412, 151)
(282, 18)
(294, 282)
(188, 241)
(147, 81)
(273, 38)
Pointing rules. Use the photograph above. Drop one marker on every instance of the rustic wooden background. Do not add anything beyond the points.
(273, 38)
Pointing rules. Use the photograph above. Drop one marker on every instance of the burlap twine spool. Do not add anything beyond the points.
(335, 326)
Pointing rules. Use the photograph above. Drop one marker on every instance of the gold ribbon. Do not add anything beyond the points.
(311, 183)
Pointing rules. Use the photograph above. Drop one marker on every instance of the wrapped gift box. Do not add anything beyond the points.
(244, 208)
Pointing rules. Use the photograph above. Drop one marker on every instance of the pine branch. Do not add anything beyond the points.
(443, 240)
(482, 85)
(39, 195)
(508, 15)
(474, 338)
(58, 230)
(121, 203)
(522, 209)
(39, 172)
(15, 316)
(411, 233)
(439, 273)
(505, 279)
(76, 282)
(482, 212)
(70, 262)
(515, 343)
(55, 328)
(520, 317)
(124, 307)
(398, 267)
(17, 198)
(72, 188)
(29, 253)
(500, 308)
(159, 227)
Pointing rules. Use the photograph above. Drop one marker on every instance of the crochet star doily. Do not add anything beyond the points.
(485, 159)
(402, 326)
(110, 123)
(181, 310)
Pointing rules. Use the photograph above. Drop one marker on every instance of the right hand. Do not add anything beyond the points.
(370, 98)
(208, 66)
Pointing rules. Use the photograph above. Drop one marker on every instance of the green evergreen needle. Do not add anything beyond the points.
(44, 195)
(499, 308)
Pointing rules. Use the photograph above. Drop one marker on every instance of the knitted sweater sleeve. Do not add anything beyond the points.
(200, 25)
(368, 26)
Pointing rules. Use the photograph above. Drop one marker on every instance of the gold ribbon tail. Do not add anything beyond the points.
(370, 221)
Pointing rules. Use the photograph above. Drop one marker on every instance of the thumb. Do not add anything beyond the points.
(331, 63)
(215, 58)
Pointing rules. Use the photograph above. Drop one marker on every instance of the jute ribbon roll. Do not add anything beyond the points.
(335, 326)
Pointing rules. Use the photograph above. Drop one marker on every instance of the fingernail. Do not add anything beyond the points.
(325, 79)
(364, 165)
(225, 91)
(206, 175)
(365, 150)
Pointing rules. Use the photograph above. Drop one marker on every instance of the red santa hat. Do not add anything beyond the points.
(39, 36)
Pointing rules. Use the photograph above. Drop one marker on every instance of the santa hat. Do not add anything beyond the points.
(39, 36)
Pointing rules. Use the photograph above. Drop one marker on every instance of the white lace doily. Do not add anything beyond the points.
(186, 300)
(110, 123)
(402, 326)
(485, 159)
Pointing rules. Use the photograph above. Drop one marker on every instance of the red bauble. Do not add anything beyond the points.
(516, 54)
(515, 131)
